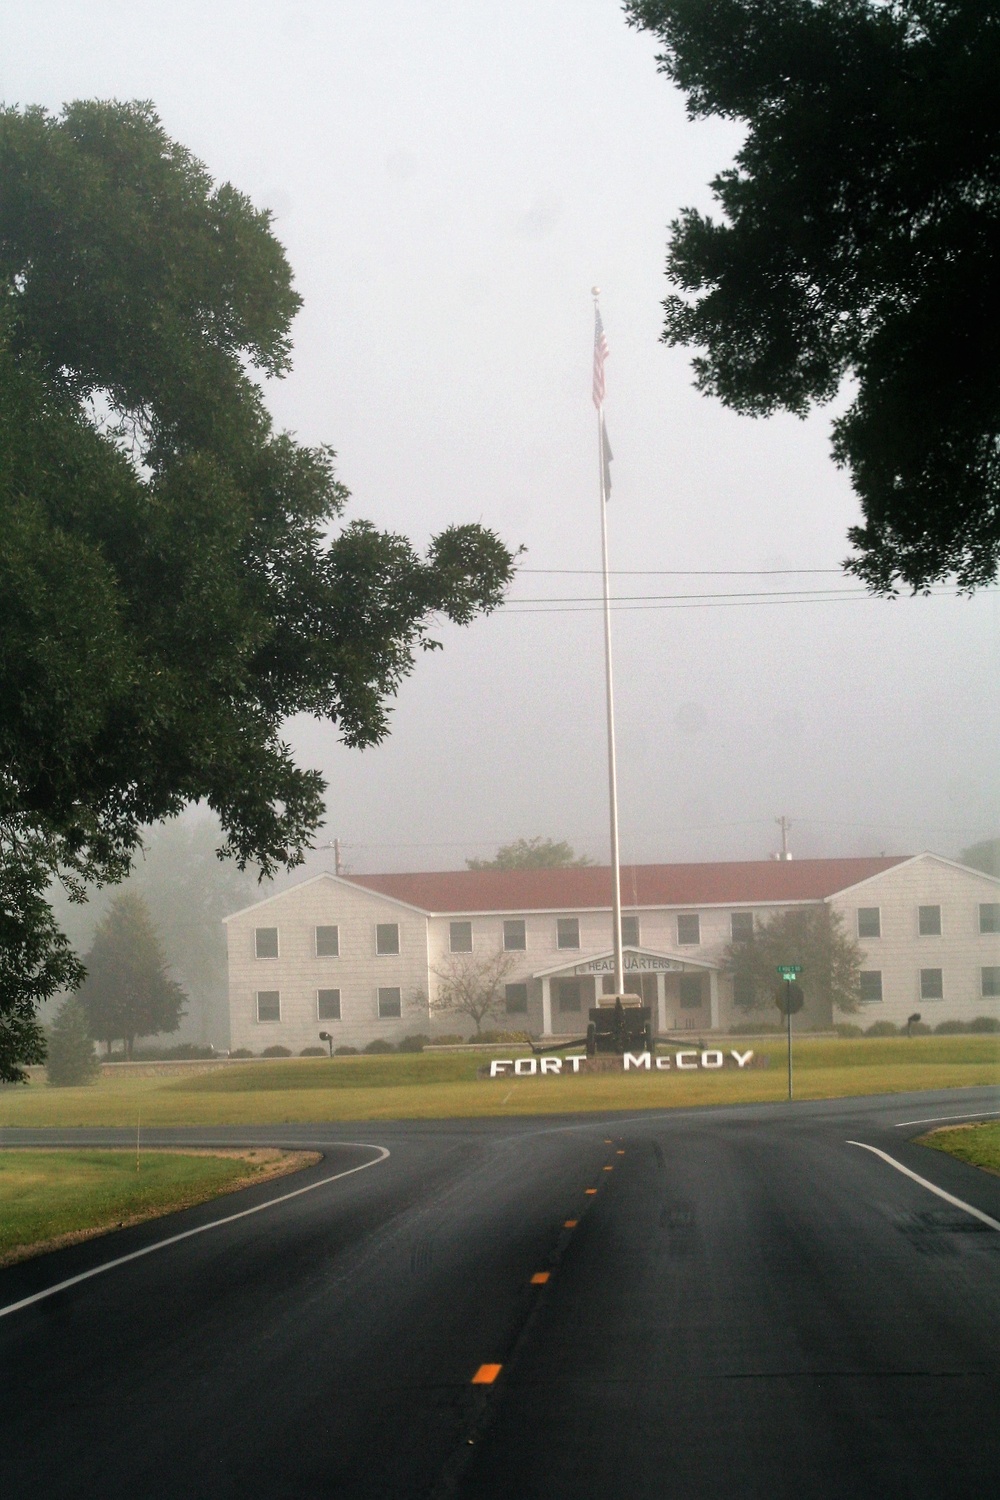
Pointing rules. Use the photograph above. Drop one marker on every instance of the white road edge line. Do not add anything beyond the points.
(972, 1114)
(174, 1239)
(931, 1187)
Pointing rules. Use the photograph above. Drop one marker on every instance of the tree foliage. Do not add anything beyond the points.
(858, 241)
(127, 991)
(471, 985)
(983, 856)
(71, 1058)
(531, 854)
(814, 937)
(173, 582)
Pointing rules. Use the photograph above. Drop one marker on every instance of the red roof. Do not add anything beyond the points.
(734, 884)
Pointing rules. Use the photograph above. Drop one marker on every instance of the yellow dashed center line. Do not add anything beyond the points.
(609, 1169)
(486, 1374)
(571, 1223)
(590, 1192)
(540, 1278)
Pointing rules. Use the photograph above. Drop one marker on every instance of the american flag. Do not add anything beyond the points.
(600, 355)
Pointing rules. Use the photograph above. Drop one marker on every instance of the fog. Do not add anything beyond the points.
(449, 179)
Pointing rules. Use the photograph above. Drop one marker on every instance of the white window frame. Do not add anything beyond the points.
(569, 947)
(459, 922)
(991, 906)
(631, 917)
(264, 957)
(869, 937)
(519, 1011)
(984, 992)
(327, 927)
(930, 906)
(931, 998)
(387, 952)
(329, 990)
(864, 999)
(388, 989)
(732, 934)
(267, 1020)
(515, 947)
(689, 916)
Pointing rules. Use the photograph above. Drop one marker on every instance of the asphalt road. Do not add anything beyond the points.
(747, 1306)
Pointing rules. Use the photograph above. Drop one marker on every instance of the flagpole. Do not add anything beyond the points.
(616, 884)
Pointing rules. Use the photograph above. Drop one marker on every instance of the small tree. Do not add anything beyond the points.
(71, 1057)
(813, 936)
(532, 854)
(127, 992)
(471, 985)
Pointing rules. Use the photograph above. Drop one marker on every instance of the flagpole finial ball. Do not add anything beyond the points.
(595, 291)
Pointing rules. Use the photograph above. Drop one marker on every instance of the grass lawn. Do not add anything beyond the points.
(54, 1198)
(434, 1086)
(977, 1144)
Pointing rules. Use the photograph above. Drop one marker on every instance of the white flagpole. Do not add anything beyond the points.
(616, 884)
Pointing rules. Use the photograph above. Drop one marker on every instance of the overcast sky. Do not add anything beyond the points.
(450, 177)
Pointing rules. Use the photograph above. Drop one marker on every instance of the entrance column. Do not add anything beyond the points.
(546, 1008)
(713, 999)
(661, 1003)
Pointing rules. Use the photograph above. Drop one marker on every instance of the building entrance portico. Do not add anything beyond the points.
(683, 993)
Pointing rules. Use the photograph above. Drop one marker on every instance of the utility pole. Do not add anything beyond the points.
(337, 868)
(784, 824)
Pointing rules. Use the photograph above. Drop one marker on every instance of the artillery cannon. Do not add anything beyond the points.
(620, 1023)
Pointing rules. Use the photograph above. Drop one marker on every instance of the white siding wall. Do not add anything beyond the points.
(961, 952)
(297, 973)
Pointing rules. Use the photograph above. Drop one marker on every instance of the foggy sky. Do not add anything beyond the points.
(450, 177)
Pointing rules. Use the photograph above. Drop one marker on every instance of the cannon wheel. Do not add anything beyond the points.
(591, 1040)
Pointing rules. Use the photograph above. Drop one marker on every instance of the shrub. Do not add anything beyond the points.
(847, 1028)
(71, 1057)
(447, 1039)
(984, 1023)
(917, 1028)
(951, 1028)
(277, 1051)
(379, 1045)
(313, 1052)
(345, 1051)
(241, 1052)
(883, 1028)
(415, 1043)
(502, 1036)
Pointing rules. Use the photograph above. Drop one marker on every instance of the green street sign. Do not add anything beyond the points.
(789, 971)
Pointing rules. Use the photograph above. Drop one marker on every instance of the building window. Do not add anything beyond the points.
(689, 930)
(869, 922)
(690, 990)
(991, 983)
(327, 942)
(390, 1003)
(743, 992)
(266, 942)
(929, 921)
(268, 1005)
(630, 931)
(387, 937)
(741, 926)
(460, 937)
(513, 935)
(871, 986)
(516, 997)
(931, 984)
(568, 932)
(569, 994)
(989, 916)
(328, 1005)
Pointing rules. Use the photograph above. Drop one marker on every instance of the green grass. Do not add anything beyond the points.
(436, 1086)
(979, 1145)
(63, 1196)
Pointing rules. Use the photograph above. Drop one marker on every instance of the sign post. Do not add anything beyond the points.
(789, 999)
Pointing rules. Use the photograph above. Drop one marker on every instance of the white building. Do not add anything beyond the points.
(357, 955)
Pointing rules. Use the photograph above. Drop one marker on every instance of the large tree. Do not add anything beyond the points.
(173, 583)
(857, 245)
(814, 937)
(128, 991)
(531, 854)
(983, 856)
